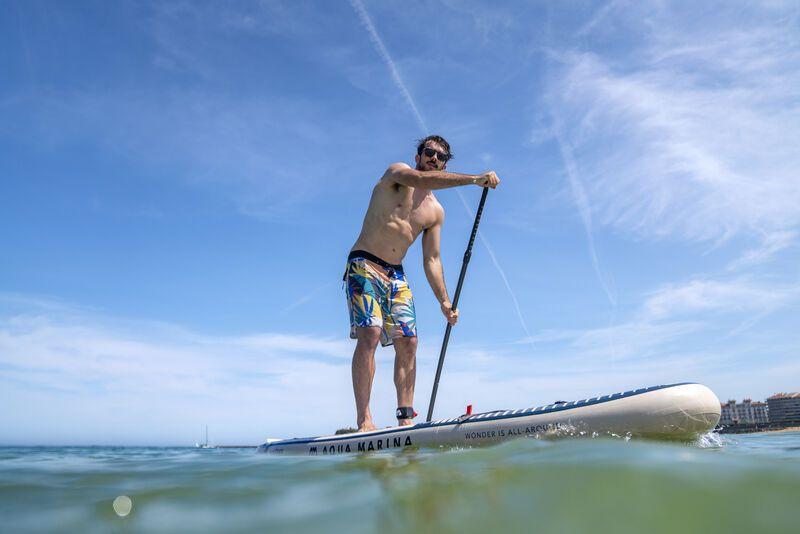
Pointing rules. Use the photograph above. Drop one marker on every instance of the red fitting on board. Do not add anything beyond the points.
(469, 409)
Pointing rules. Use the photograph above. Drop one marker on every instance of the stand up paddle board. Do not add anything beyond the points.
(673, 412)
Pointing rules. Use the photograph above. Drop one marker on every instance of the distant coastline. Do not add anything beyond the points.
(751, 429)
(787, 429)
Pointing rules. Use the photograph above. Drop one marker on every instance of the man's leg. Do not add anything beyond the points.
(363, 372)
(405, 372)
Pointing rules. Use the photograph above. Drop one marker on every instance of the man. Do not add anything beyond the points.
(379, 300)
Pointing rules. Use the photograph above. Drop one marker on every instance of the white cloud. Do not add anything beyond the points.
(715, 296)
(770, 244)
(675, 126)
(137, 368)
(74, 376)
(691, 133)
(698, 330)
(601, 15)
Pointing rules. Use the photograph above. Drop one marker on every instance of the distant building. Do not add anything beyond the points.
(745, 413)
(784, 408)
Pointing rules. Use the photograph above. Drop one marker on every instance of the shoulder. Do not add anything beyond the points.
(396, 170)
(399, 166)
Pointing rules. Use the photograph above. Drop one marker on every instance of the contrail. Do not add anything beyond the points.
(381, 48)
(496, 263)
(306, 298)
(575, 185)
(578, 192)
(582, 202)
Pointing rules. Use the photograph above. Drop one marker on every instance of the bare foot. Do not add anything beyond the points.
(405, 422)
(366, 426)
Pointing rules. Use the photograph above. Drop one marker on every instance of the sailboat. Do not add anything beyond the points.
(204, 445)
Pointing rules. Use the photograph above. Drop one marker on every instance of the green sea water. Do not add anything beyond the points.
(741, 483)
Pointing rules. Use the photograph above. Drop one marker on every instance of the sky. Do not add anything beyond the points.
(181, 183)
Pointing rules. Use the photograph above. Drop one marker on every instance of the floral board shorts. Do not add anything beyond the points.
(378, 295)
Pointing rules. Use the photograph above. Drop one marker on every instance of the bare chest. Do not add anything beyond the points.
(417, 208)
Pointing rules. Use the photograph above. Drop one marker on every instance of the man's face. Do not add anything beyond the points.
(432, 162)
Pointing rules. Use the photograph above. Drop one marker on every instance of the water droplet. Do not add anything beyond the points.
(122, 505)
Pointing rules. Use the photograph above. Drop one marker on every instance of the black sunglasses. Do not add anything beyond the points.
(429, 152)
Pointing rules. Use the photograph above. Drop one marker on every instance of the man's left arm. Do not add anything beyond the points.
(433, 269)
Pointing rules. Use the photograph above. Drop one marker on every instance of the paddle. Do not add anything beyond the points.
(464, 264)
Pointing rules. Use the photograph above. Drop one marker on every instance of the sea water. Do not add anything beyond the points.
(739, 483)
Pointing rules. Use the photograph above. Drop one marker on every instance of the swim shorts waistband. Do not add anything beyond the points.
(374, 259)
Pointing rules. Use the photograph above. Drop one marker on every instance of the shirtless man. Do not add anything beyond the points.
(379, 299)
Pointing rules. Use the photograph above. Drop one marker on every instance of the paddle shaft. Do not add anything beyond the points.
(467, 256)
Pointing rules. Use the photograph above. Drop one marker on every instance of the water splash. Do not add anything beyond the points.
(709, 440)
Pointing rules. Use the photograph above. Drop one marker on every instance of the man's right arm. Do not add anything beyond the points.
(403, 174)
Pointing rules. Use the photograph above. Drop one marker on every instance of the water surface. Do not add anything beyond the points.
(739, 483)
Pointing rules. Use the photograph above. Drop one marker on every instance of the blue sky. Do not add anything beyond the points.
(181, 182)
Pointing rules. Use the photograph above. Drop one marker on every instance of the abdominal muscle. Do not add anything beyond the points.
(396, 216)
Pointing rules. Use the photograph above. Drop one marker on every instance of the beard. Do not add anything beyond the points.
(421, 167)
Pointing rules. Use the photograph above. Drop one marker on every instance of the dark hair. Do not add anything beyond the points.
(436, 139)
